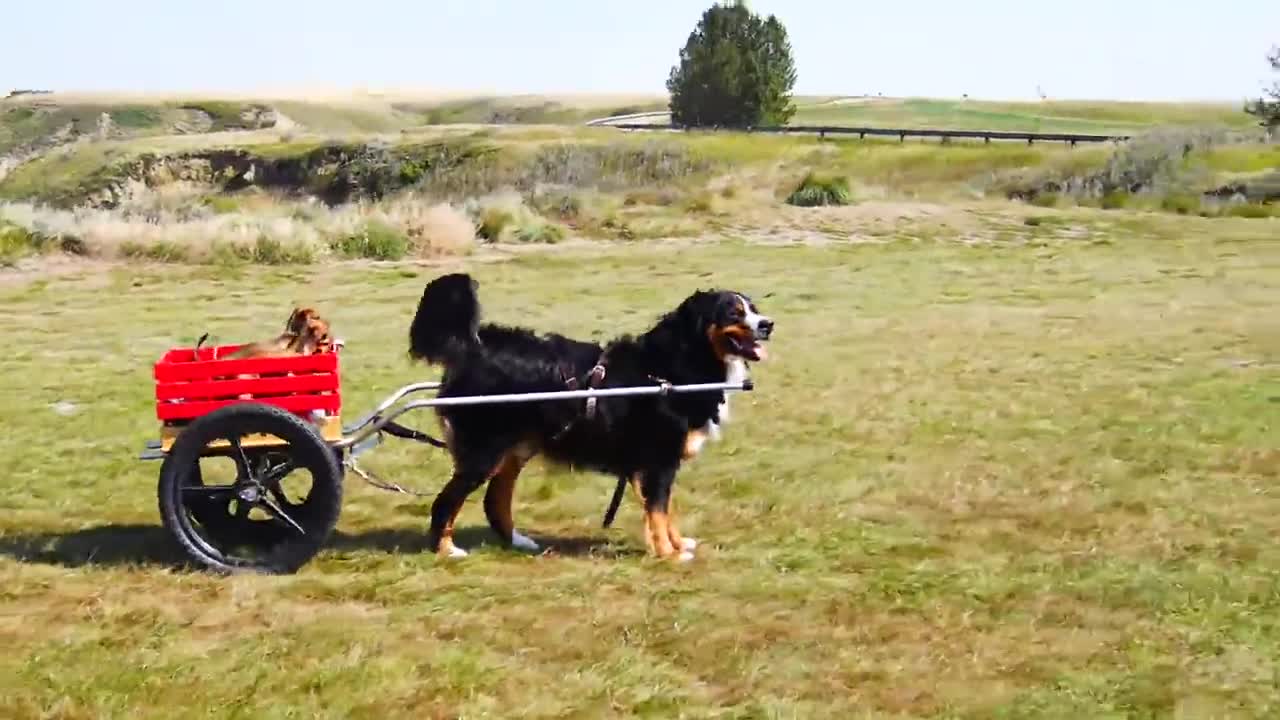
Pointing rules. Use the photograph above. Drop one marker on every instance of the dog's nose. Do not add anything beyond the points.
(765, 328)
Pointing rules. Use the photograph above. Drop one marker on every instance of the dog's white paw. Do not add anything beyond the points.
(689, 544)
(520, 541)
(685, 557)
(457, 552)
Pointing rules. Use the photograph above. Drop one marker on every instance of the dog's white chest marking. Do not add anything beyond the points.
(737, 372)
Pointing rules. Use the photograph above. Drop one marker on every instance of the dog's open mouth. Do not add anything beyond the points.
(748, 347)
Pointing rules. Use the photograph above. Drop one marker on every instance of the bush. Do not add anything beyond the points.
(1252, 211)
(265, 250)
(1181, 204)
(270, 251)
(1114, 200)
(492, 222)
(161, 251)
(817, 190)
(373, 241)
(539, 231)
(1046, 199)
(15, 243)
(222, 204)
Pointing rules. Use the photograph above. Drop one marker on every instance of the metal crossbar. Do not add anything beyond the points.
(376, 421)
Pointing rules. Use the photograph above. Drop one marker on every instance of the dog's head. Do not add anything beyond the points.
(731, 323)
(310, 331)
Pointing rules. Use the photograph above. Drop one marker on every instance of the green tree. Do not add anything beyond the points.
(1267, 108)
(735, 70)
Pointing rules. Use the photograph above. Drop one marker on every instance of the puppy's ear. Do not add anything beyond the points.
(297, 322)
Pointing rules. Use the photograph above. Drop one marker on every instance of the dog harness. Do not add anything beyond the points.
(593, 378)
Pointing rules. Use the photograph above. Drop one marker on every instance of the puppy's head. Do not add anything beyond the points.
(297, 322)
(731, 322)
(310, 331)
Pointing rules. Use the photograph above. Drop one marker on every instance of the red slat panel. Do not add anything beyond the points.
(294, 403)
(179, 366)
(272, 385)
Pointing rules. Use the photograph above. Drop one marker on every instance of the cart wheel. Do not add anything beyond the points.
(267, 509)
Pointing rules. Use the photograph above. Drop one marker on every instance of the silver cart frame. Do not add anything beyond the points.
(386, 412)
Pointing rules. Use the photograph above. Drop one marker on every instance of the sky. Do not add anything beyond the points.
(994, 49)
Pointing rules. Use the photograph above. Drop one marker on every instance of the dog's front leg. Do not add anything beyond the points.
(683, 545)
(654, 487)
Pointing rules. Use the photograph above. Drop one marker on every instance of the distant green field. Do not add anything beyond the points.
(1052, 116)
(21, 121)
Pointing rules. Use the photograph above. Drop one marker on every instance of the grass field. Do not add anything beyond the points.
(1048, 116)
(1014, 479)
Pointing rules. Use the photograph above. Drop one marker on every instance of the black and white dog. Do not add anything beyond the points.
(710, 337)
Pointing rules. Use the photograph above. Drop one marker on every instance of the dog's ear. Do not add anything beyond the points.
(298, 320)
(698, 310)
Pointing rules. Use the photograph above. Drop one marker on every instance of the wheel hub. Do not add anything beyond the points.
(250, 493)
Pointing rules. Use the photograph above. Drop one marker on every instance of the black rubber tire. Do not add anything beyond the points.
(306, 448)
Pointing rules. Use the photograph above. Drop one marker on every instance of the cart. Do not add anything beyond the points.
(253, 451)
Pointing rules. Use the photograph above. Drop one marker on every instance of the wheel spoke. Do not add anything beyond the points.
(243, 471)
(278, 513)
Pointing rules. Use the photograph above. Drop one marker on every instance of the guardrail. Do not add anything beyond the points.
(612, 119)
(901, 133)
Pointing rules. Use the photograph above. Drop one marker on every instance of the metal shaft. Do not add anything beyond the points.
(374, 424)
(576, 394)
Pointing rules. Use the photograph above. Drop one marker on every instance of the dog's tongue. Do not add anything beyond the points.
(761, 352)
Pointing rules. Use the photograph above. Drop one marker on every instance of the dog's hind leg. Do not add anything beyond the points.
(447, 505)
(497, 502)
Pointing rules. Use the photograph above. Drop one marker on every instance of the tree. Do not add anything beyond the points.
(1267, 109)
(735, 70)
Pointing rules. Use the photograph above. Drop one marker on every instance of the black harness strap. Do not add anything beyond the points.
(400, 431)
(592, 379)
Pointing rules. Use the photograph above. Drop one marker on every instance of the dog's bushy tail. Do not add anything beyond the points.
(444, 327)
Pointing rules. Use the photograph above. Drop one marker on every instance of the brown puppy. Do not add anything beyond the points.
(305, 333)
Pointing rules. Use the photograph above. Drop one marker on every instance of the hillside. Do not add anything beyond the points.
(181, 178)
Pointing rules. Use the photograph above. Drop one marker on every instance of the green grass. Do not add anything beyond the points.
(65, 170)
(343, 118)
(374, 241)
(223, 114)
(23, 123)
(1051, 116)
(15, 243)
(1244, 158)
(972, 482)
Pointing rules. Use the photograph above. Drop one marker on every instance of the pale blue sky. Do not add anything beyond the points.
(1161, 50)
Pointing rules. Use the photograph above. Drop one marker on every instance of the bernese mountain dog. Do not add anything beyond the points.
(642, 440)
